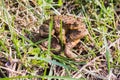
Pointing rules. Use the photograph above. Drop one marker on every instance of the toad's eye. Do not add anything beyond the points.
(75, 25)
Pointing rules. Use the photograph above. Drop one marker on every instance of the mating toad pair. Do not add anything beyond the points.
(68, 30)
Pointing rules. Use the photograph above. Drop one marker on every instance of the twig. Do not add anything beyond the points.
(8, 69)
(75, 75)
(96, 75)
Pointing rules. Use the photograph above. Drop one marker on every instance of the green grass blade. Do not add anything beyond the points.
(49, 61)
(107, 54)
(50, 35)
(46, 77)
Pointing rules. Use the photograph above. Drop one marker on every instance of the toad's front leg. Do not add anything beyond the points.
(75, 36)
(68, 50)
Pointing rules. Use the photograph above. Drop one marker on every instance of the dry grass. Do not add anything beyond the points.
(21, 56)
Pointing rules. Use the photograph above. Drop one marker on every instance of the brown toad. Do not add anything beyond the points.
(68, 29)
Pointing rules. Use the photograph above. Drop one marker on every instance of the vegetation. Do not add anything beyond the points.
(22, 56)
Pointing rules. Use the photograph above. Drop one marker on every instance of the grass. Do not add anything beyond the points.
(25, 59)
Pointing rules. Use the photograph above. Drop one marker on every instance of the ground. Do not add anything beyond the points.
(23, 56)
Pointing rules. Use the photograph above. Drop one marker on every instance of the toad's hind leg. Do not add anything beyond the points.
(68, 49)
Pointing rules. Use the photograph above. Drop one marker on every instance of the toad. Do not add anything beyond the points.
(68, 29)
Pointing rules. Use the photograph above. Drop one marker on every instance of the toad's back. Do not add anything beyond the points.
(66, 19)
